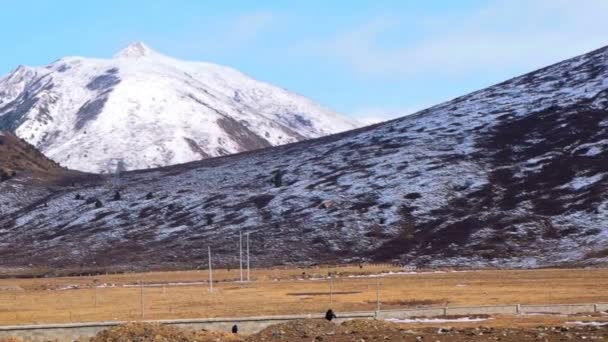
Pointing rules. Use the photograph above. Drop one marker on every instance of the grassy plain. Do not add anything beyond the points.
(185, 294)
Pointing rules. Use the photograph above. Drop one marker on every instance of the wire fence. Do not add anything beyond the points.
(188, 294)
(274, 291)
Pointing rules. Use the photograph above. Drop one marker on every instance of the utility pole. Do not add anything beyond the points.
(248, 275)
(241, 253)
(210, 271)
(141, 296)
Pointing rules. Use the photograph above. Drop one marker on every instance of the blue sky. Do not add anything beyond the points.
(367, 59)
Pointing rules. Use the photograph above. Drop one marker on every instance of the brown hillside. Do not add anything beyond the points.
(20, 158)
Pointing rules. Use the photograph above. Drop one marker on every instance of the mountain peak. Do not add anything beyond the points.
(134, 50)
(192, 111)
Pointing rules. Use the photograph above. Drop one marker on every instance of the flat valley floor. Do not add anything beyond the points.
(185, 294)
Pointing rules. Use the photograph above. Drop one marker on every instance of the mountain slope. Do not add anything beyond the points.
(150, 110)
(512, 175)
(16, 156)
(27, 173)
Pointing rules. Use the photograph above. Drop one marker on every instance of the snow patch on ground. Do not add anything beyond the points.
(587, 323)
(437, 320)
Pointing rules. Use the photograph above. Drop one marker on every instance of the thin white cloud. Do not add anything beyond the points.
(225, 35)
(247, 27)
(512, 35)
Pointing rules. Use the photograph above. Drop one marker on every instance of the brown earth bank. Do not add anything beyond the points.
(373, 330)
(360, 331)
(159, 333)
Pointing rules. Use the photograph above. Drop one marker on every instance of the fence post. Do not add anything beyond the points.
(331, 292)
(378, 294)
(595, 309)
(518, 309)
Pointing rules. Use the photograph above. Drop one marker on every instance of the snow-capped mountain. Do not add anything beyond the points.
(150, 110)
(514, 175)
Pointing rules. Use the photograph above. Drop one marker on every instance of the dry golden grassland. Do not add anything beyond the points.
(284, 291)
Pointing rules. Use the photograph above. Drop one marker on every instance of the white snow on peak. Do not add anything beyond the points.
(134, 50)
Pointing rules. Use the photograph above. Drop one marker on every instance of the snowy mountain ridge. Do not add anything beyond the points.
(150, 110)
(513, 175)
